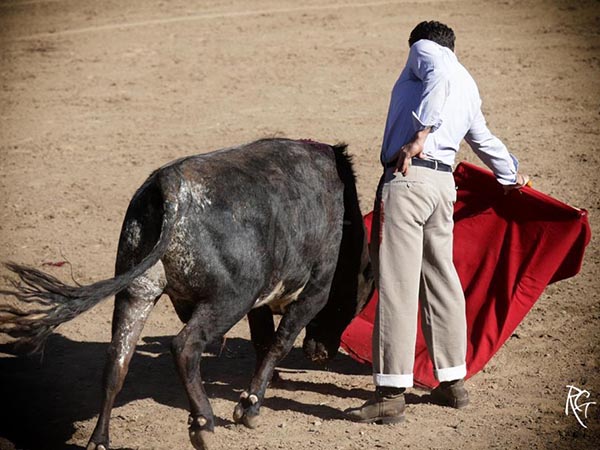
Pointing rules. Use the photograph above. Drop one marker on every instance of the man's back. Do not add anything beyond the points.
(435, 90)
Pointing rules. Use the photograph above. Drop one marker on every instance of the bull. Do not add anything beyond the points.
(270, 227)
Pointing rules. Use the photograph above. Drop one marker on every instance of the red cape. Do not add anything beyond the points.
(507, 249)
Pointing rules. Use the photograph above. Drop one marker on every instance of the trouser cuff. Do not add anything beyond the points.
(451, 373)
(397, 381)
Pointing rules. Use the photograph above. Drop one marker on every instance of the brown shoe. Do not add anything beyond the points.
(451, 393)
(385, 407)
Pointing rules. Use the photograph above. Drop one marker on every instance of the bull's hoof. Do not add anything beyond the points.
(247, 410)
(201, 434)
(316, 352)
(201, 439)
(96, 446)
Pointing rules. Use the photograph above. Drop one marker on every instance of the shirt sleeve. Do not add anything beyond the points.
(492, 151)
(426, 62)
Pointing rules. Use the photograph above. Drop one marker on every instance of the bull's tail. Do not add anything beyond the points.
(52, 302)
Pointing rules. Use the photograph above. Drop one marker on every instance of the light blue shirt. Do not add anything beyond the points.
(435, 90)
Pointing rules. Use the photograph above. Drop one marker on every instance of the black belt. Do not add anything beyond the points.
(429, 163)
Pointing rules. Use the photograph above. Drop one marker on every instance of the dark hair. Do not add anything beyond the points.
(433, 31)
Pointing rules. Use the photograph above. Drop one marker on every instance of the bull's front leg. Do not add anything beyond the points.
(262, 332)
(296, 317)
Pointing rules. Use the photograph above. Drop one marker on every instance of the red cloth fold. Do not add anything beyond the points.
(507, 249)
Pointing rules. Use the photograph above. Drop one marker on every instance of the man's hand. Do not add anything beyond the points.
(522, 181)
(412, 149)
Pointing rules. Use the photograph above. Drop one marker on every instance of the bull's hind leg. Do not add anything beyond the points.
(296, 317)
(209, 320)
(132, 307)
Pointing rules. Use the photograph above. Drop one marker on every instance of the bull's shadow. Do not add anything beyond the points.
(42, 399)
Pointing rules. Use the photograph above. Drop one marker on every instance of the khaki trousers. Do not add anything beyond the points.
(415, 263)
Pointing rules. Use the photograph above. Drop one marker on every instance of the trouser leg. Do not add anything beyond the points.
(443, 316)
(406, 204)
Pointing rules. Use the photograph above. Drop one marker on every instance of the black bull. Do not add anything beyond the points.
(269, 227)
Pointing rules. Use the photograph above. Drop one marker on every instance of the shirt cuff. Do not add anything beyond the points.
(510, 177)
(420, 125)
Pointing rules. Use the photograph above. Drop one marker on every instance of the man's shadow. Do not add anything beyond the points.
(43, 397)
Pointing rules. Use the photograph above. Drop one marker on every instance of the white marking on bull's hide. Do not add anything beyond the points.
(150, 284)
(143, 290)
(276, 300)
(198, 192)
(180, 251)
(133, 233)
(274, 294)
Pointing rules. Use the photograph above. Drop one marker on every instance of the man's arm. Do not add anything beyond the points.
(413, 148)
(428, 63)
(494, 154)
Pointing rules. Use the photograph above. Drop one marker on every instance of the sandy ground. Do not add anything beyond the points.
(95, 95)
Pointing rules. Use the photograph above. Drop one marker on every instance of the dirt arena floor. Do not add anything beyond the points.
(96, 94)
